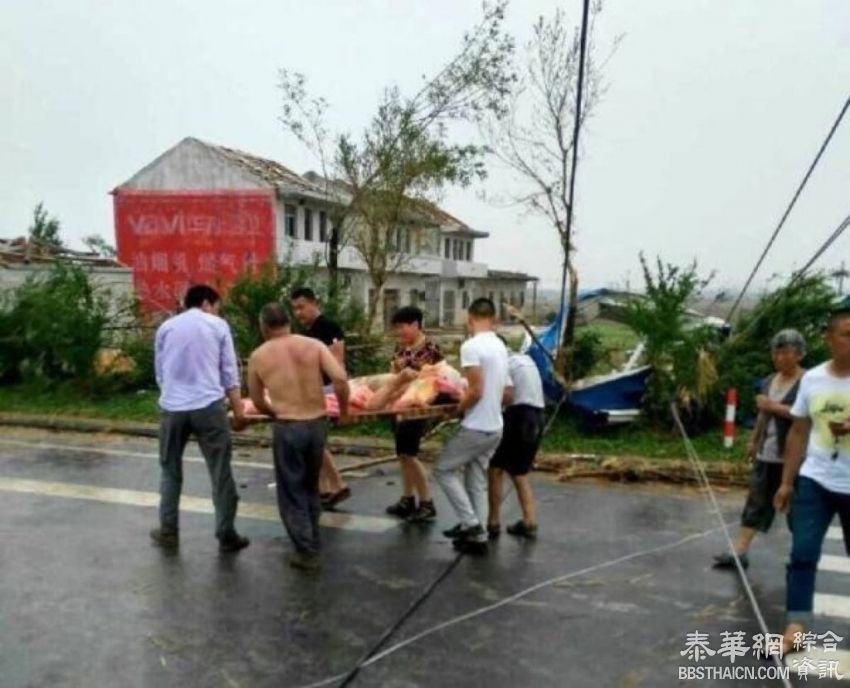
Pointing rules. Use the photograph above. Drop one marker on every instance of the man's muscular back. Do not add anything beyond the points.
(290, 368)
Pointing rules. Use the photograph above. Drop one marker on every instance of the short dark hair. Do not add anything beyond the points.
(303, 293)
(407, 315)
(482, 308)
(274, 316)
(837, 314)
(197, 294)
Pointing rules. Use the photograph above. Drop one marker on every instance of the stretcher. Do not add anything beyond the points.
(437, 411)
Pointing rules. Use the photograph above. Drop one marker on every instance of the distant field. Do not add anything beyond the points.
(617, 340)
(614, 335)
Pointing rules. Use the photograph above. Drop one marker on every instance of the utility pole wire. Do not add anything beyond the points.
(788, 210)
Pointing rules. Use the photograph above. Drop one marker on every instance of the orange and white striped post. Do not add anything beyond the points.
(729, 424)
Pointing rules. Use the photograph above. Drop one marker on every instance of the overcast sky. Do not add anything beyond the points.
(713, 112)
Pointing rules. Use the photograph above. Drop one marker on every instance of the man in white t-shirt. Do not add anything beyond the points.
(461, 470)
(819, 439)
(523, 430)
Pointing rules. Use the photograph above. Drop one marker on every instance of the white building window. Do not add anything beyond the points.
(447, 244)
(308, 224)
(289, 214)
(323, 226)
(469, 250)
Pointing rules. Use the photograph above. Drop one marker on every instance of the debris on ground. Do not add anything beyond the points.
(633, 469)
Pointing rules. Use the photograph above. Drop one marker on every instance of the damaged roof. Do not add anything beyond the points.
(270, 171)
(23, 251)
(448, 222)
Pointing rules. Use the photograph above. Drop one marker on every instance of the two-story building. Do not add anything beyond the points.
(202, 212)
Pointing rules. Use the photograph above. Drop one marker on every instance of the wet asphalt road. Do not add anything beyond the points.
(87, 601)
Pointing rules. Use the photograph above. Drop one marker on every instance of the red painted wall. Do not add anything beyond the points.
(175, 239)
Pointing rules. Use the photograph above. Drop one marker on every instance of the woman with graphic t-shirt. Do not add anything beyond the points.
(413, 351)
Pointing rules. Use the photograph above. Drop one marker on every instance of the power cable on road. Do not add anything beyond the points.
(714, 507)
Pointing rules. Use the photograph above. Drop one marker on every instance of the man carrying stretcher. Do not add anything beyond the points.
(289, 368)
(462, 467)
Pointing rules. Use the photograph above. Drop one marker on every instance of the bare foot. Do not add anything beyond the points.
(791, 630)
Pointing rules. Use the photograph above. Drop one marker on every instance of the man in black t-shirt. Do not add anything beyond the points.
(305, 307)
(329, 333)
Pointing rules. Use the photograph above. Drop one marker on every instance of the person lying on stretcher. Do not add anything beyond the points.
(396, 391)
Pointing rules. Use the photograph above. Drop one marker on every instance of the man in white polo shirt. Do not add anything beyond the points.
(461, 470)
(819, 439)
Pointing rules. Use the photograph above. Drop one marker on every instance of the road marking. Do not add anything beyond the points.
(832, 605)
(830, 562)
(121, 452)
(197, 505)
(834, 533)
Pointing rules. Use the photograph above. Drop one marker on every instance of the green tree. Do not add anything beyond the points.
(588, 353)
(744, 358)
(44, 229)
(52, 326)
(405, 155)
(97, 244)
(676, 346)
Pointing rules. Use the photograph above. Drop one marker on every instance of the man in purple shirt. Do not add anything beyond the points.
(196, 369)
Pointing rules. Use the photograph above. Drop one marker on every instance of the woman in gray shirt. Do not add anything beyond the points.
(767, 444)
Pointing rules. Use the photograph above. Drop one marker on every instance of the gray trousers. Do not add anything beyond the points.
(298, 447)
(211, 428)
(461, 471)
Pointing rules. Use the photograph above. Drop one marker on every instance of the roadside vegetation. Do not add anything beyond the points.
(69, 349)
(565, 436)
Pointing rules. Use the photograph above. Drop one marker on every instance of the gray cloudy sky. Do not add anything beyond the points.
(714, 110)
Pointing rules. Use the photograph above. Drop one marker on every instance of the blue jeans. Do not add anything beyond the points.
(812, 510)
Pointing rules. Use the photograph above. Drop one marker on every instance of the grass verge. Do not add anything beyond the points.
(70, 400)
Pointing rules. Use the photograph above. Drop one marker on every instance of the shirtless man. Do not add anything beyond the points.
(290, 368)
(305, 308)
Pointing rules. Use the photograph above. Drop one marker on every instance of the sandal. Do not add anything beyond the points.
(336, 497)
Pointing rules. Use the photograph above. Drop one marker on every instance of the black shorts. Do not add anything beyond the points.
(765, 479)
(520, 440)
(408, 435)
